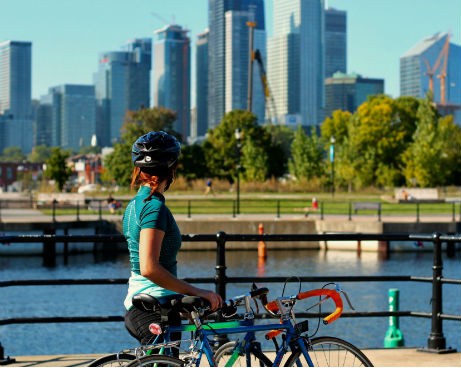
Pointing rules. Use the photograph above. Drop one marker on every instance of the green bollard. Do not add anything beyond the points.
(394, 337)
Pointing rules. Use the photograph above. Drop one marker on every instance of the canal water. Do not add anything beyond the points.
(69, 338)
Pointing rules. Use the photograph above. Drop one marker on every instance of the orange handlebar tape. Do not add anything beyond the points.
(333, 294)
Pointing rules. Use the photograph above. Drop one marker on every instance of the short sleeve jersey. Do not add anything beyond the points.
(151, 214)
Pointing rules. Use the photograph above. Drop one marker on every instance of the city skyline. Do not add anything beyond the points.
(68, 37)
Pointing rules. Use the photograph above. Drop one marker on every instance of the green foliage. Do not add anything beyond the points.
(254, 160)
(306, 155)
(12, 154)
(89, 149)
(39, 154)
(192, 164)
(56, 167)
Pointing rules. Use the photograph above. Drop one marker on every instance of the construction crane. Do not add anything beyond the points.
(271, 111)
(430, 72)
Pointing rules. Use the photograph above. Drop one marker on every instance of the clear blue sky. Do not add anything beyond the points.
(69, 35)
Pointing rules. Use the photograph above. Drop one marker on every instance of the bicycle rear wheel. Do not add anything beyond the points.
(224, 353)
(113, 360)
(157, 360)
(330, 352)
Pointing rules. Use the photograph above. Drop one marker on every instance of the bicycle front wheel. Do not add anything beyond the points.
(157, 360)
(330, 352)
(225, 357)
(113, 360)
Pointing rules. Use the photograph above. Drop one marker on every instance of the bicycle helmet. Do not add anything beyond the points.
(155, 149)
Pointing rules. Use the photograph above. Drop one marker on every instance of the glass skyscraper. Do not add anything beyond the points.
(417, 65)
(348, 91)
(217, 50)
(237, 68)
(122, 83)
(71, 109)
(335, 41)
(296, 61)
(201, 83)
(172, 73)
(15, 95)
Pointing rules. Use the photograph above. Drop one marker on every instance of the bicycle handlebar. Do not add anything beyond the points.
(273, 308)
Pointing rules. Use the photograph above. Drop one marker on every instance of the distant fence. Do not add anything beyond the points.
(277, 207)
(436, 339)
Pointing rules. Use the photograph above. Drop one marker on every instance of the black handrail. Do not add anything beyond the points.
(436, 340)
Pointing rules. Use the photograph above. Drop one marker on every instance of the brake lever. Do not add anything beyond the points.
(341, 291)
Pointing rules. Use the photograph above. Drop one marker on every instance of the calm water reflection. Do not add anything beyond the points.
(107, 300)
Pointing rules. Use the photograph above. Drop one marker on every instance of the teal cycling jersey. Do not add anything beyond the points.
(150, 214)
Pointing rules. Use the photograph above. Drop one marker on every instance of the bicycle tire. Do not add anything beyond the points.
(157, 360)
(329, 351)
(113, 360)
(224, 352)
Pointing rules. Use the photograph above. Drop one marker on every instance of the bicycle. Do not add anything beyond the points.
(197, 309)
(318, 351)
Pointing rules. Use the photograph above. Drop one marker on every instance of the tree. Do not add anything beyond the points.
(220, 147)
(56, 167)
(192, 163)
(118, 165)
(254, 160)
(306, 155)
(39, 154)
(13, 154)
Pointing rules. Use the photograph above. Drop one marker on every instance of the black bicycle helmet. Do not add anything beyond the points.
(155, 149)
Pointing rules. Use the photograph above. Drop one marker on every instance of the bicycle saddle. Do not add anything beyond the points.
(149, 303)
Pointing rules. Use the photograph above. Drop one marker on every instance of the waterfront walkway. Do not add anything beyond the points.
(402, 357)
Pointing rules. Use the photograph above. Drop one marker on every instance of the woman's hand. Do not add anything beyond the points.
(214, 299)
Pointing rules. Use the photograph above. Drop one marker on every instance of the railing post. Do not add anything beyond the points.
(321, 210)
(5, 360)
(100, 210)
(436, 341)
(417, 211)
(54, 210)
(189, 208)
(379, 211)
(0, 211)
(350, 211)
(49, 249)
(278, 208)
(78, 211)
(220, 276)
(453, 212)
(233, 208)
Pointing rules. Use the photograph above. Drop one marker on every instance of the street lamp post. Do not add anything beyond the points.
(332, 160)
(238, 137)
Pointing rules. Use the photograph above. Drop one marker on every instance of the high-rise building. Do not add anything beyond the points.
(348, 91)
(16, 79)
(237, 64)
(217, 50)
(72, 110)
(15, 95)
(122, 83)
(296, 61)
(434, 61)
(335, 41)
(201, 84)
(172, 74)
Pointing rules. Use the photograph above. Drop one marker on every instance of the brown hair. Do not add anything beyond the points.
(152, 177)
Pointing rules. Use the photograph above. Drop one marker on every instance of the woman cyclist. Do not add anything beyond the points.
(153, 236)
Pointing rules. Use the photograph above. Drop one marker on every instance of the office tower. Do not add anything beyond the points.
(122, 83)
(296, 61)
(201, 84)
(236, 65)
(72, 110)
(171, 74)
(217, 46)
(15, 95)
(16, 79)
(347, 92)
(335, 41)
(433, 65)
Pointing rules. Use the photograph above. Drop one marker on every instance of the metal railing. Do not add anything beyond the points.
(276, 207)
(436, 341)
